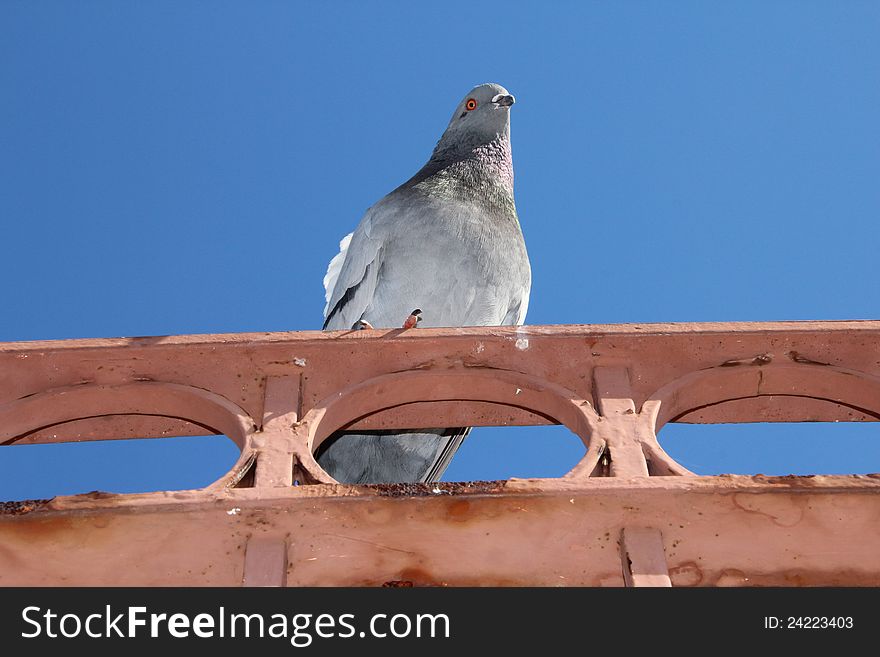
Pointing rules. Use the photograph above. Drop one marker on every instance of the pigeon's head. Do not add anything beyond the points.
(483, 115)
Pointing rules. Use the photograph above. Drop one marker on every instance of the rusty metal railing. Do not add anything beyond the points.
(279, 395)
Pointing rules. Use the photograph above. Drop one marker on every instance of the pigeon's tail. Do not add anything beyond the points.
(456, 438)
(384, 457)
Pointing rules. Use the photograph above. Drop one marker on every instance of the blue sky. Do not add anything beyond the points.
(189, 167)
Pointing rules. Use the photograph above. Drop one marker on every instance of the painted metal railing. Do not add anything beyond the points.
(279, 395)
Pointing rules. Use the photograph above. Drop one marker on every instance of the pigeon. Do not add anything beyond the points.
(443, 249)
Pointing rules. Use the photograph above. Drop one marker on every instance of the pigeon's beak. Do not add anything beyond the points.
(504, 100)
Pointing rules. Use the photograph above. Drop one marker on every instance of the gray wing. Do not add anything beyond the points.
(353, 275)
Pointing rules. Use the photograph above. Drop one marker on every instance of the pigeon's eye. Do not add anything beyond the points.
(471, 104)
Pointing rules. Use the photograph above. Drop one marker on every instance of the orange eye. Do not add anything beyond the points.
(471, 104)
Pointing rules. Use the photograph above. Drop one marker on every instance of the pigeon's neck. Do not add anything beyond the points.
(477, 172)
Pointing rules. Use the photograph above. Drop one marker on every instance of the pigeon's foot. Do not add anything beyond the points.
(414, 318)
(361, 325)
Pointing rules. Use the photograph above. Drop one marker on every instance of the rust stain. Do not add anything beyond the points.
(436, 489)
(97, 495)
(417, 577)
(21, 507)
(34, 530)
(420, 576)
(459, 510)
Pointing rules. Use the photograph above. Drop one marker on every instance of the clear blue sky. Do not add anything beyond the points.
(189, 167)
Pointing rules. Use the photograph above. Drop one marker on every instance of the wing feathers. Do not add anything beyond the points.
(347, 296)
(351, 280)
(333, 269)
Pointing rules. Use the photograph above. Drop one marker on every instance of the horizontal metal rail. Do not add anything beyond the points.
(279, 395)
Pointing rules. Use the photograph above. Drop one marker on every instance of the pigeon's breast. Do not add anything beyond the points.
(459, 263)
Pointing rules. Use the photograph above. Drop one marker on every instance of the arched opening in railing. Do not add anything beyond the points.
(769, 419)
(529, 452)
(384, 394)
(110, 438)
